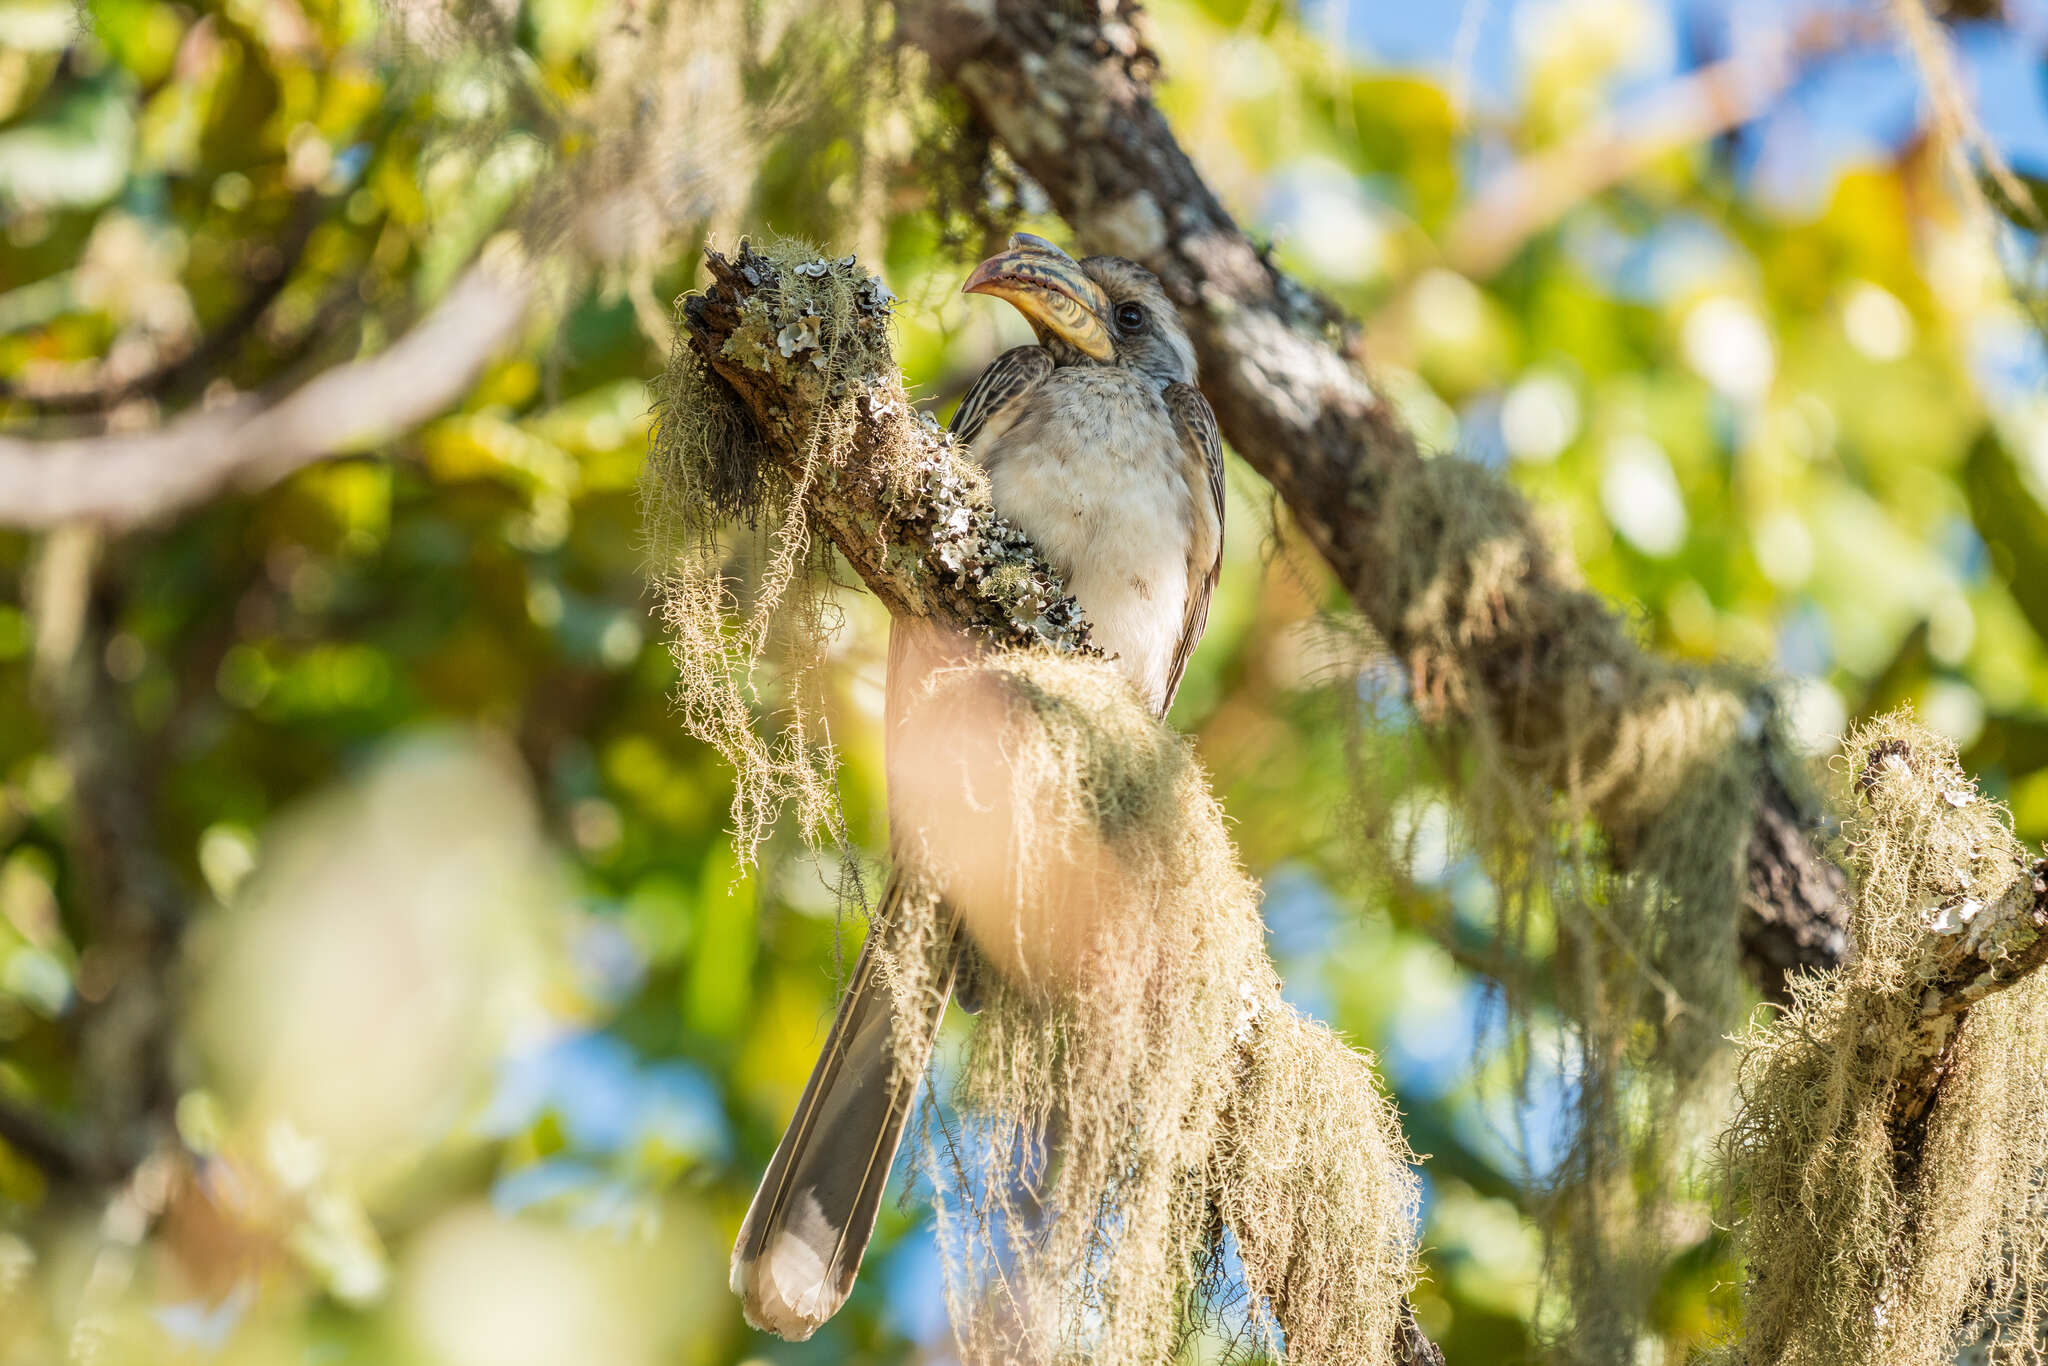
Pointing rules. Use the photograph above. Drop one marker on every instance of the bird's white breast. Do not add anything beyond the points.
(1091, 471)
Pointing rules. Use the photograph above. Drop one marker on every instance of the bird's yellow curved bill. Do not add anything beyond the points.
(1050, 289)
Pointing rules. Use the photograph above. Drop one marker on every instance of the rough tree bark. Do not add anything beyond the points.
(1067, 91)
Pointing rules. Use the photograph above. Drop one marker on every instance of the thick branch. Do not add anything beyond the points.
(918, 528)
(1070, 97)
(122, 481)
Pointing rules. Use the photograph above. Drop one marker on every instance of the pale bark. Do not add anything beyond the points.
(120, 481)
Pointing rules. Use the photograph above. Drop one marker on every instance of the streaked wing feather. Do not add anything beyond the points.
(1202, 447)
(1008, 378)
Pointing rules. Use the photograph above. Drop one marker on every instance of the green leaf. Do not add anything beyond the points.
(2013, 524)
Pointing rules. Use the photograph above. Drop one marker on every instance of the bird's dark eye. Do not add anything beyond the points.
(1130, 317)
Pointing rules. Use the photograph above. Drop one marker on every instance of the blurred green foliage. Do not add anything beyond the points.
(1791, 438)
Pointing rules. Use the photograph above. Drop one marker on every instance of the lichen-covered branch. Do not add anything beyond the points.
(1977, 942)
(1515, 643)
(1965, 962)
(916, 524)
(1990, 948)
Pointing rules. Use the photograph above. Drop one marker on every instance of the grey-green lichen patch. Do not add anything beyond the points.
(752, 343)
(989, 574)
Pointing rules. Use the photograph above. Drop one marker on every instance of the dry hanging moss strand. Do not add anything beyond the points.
(1631, 947)
(1886, 1163)
(1135, 1063)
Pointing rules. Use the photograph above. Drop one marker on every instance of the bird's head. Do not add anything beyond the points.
(1101, 311)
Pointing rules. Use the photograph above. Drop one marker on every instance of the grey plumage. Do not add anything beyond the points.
(1115, 469)
(794, 1262)
(997, 393)
(1101, 449)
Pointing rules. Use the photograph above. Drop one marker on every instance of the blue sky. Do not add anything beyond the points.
(1846, 109)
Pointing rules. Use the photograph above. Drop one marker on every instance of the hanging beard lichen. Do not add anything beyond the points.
(1605, 812)
(707, 474)
(1134, 1085)
(1858, 1249)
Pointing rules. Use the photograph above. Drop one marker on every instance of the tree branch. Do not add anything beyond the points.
(1993, 950)
(125, 480)
(132, 904)
(101, 394)
(34, 1137)
(1971, 952)
(1070, 98)
(922, 535)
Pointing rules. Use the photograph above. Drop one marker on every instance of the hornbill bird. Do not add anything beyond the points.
(1101, 449)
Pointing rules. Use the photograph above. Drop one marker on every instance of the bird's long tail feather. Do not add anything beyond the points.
(804, 1235)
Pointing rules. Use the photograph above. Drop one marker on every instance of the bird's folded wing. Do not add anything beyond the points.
(993, 400)
(1202, 448)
